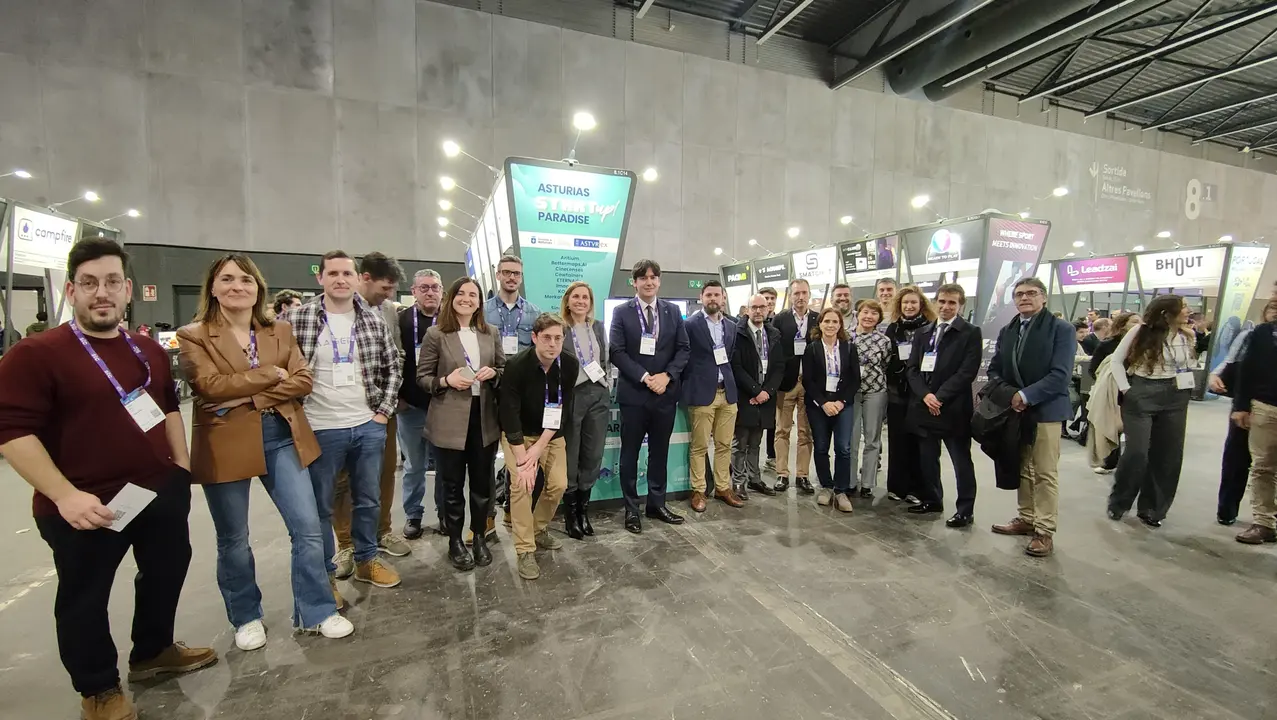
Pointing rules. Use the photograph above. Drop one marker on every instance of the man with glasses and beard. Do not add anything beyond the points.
(414, 403)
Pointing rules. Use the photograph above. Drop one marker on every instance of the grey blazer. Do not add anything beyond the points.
(449, 416)
(570, 349)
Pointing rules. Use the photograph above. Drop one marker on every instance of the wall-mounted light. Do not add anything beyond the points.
(449, 184)
(1060, 192)
(1078, 243)
(18, 174)
(650, 175)
(845, 219)
(1225, 238)
(1164, 234)
(794, 232)
(452, 149)
(443, 221)
(1138, 248)
(755, 243)
(88, 196)
(445, 205)
(920, 201)
(131, 212)
(1069, 254)
(1024, 214)
(719, 251)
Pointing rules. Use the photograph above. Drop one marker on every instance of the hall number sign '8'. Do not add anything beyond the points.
(1196, 193)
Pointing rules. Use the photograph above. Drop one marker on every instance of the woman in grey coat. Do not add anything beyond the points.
(588, 431)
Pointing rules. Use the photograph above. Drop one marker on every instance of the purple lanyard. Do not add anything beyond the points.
(416, 339)
(802, 327)
(332, 336)
(559, 395)
(577, 345)
(79, 334)
(253, 362)
(465, 354)
(505, 317)
(833, 363)
(656, 319)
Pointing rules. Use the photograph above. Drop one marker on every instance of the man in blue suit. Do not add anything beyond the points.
(648, 345)
(1035, 353)
(709, 391)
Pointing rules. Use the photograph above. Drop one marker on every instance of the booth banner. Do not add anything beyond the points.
(40, 239)
(1245, 266)
(1014, 248)
(1194, 267)
(678, 466)
(865, 261)
(570, 225)
(738, 284)
(1107, 274)
(951, 247)
(773, 272)
(818, 266)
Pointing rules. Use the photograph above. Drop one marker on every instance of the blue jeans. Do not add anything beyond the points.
(289, 486)
(417, 452)
(357, 450)
(838, 428)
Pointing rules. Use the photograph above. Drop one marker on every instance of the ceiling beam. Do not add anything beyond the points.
(1212, 134)
(864, 24)
(783, 20)
(1152, 53)
(1164, 22)
(647, 5)
(1224, 72)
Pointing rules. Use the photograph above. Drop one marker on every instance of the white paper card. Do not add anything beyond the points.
(144, 411)
(594, 371)
(929, 362)
(509, 344)
(800, 347)
(552, 418)
(1184, 380)
(127, 503)
(831, 383)
(343, 374)
(720, 356)
(905, 349)
(647, 346)
(764, 366)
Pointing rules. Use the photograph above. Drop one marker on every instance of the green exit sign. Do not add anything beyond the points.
(314, 269)
(630, 281)
(695, 284)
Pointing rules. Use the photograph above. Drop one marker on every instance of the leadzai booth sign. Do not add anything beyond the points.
(570, 223)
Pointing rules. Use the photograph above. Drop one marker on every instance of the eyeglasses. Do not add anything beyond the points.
(114, 284)
(429, 288)
(757, 307)
(1025, 294)
(511, 273)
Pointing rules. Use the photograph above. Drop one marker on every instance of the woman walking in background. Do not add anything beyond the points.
(831, 377)
(914, 314)
(590, 409)
(874, 350)
(460, 366)
(1153, 367)
(249, 377)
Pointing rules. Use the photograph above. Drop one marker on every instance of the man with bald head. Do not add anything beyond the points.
(757, 366)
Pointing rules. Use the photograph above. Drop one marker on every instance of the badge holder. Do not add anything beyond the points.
(929, 362)
(552, 417)
(647, 345)
(142, 408)
(509, 344)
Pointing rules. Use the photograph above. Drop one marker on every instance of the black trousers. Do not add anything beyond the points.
(959, 448)
(771, 444)
(86, 561)
(904, 464)
(1234, 471)
(656, 423)
(451, 467)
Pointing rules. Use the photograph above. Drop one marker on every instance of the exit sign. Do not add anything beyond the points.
(314, 269)
(695, 284)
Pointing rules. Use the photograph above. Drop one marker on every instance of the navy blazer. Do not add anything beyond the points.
(814, 373)
(624, 339)
(1045, 364)
(957, 365)
(700, 378)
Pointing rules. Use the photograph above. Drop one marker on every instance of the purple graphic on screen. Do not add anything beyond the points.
(1082, 274)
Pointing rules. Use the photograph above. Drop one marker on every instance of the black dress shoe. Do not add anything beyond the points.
(665, 515)
(460, 555)
(482, 555)
(633, 524)
(782, 484)
(804, 486)
(866, 492)
(1149, 521)
(412, 528)
(583, 513)
(1225, 521)
(1114, 515)
(959, 520)
(760, 486)
(925, 508)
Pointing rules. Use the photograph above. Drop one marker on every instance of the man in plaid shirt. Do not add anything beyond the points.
(358, 371)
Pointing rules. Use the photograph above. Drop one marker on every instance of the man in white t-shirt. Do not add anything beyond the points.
(358, 372)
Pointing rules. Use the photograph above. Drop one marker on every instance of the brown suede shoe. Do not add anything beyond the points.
(1017, 526)
(109, 705)
(1257, 535)
(1040, 546)
(698, 501)
(174, 660)
(729, 497)
(337, 598)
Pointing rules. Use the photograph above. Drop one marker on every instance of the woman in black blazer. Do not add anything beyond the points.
(831, 378)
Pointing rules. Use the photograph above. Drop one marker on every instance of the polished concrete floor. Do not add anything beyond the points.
(781, 609)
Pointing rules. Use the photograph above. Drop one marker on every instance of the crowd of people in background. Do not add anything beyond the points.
(320, 398)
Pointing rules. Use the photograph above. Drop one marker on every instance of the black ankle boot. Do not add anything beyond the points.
(571, 525)
(482, 555)
(582, 512)
(459, 554)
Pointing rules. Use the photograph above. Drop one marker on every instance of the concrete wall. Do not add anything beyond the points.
(301, 125)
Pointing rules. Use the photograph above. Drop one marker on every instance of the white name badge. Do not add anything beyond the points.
(800, 347)
(594, 371)
(720, 356)
(343, 374)
(929, 362)
(831, 383)
(509, 344)
(765, 366)
(904, 349)
(1184, 380)
(552, 418)
(647, 346)
(143, 410)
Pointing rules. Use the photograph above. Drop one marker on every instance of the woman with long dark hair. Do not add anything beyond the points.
(1153, 366)
(831, 378)
(249, 377)
(913, 314)
(460, 365)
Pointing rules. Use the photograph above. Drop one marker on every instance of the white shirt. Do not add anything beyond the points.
(1177, 356)
(656, 316)
(330, 407)
(470, 341)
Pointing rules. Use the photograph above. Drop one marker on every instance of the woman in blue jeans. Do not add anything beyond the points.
(248, 376)
(831, 377)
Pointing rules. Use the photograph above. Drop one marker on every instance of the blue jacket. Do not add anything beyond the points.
(1043, 367)
(700, 378)
(624, 340)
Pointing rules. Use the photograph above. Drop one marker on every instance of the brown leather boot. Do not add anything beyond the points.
(698, 501)
(174, 660)
(1257, 535)
(1017, 526)
(1040, 546)
(109, 705)
(729, 497)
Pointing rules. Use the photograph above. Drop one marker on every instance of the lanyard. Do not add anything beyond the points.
(833, 363)
(79, 334)
(332, 337)
(935, 338)
(469, 363)
(656, 319)
(1170, 349)
(589, 343)
(802, 327)
(253, 361)
(416, 338)
(505, 317)
(559, 394)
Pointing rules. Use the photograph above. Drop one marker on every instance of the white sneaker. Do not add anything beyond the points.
(893, 496)
(345, 562)
(1101, 471)
(250, 636)
(336, 627)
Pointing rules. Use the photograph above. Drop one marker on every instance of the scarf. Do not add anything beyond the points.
(904, 328)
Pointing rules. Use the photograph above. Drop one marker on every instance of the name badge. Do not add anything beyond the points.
(647, 346)
(929, 362)
(831, 383)
(904, 350)
(720, 356)
(509, 344)
(143, 410)
(552, 418)
(1184, 380)
(765, 366)
(343, 374)
(594, 371)
(800, 347)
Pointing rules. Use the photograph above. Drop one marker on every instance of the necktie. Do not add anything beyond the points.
(758, 342)
(1024, 332)
(648, 310)
(940, 333)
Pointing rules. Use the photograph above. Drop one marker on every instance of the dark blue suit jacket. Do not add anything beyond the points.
(671, 353)
(700, 379)
(1044, 367)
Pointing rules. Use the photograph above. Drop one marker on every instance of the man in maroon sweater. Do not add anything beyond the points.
(85, 410)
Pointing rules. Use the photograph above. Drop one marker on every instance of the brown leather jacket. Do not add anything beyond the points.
(229, 447)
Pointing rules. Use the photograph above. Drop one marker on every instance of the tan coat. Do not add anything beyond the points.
(229, 448)
(449, 416)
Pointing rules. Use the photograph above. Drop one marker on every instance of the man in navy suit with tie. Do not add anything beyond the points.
(709, 391)
(648, 345)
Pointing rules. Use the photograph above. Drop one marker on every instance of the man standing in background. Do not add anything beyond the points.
(40, 325)
(757, 365)
(709, 391)
(885, 291)
(769, 294)
(794, 325)
(414, 403)
(842, 301)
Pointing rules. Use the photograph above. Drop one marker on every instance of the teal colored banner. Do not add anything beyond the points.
(570, 225)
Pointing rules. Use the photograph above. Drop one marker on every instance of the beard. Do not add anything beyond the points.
(98, 321)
